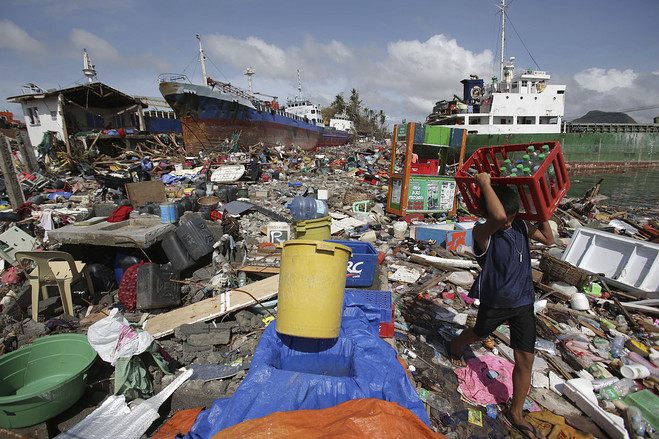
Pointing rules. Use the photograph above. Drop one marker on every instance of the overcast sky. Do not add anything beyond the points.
(402, 56)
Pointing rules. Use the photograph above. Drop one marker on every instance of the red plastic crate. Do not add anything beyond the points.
(425, 167)
(534, 189)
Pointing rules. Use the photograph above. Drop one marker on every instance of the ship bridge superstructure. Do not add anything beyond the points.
(524, 102)
(515, 102)
(305, 109)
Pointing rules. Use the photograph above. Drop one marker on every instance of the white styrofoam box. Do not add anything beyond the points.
(628, 263)
(580, 390)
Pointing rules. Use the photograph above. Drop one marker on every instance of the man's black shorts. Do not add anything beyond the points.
(521, 321)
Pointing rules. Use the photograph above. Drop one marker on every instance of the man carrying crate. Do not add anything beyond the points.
(505, 289)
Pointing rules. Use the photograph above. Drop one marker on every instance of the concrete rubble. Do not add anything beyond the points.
(66, 210)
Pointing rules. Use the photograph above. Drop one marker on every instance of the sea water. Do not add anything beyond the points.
(633, 188)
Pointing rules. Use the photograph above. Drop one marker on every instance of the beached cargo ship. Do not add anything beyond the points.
(212, 113)
(523, 107)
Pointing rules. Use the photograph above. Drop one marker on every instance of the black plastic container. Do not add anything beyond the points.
(176, 252)
(196, 237)
(155, 288)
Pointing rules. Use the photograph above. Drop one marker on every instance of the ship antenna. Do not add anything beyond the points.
(299, 84)
(503, 35)
(202, 60)
(249, 72)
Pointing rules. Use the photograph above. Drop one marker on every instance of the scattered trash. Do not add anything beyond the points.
(189, 275)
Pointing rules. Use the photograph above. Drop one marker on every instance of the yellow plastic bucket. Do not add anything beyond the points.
(317, 229)
(312, 281)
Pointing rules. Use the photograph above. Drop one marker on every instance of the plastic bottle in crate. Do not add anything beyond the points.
(519, 170)
(551, 178)
(505, 168)
(533, 153)
(527, 194)
(546, 151)
(526, 161)
(539, 161)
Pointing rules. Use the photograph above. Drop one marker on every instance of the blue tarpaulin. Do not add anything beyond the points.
(292, 373)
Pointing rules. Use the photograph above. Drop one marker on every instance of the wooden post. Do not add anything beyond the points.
(460, 163)
(27, 151)
(60, 108)
(16, 197)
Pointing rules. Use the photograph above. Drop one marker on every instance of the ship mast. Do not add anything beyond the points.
(249, 72)
(299, 84)
(202, 60)
(503, 36)
(87, 66)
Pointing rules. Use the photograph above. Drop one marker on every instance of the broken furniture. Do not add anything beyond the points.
(419, 180)
(16, 240)
(448, 235)
(54, 268)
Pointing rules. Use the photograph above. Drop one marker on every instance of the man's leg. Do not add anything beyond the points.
(466, 337)
(522, 340)
(521, 385)
(487, 320)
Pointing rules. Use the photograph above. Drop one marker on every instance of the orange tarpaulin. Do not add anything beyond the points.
(180, 424)
(358, 418)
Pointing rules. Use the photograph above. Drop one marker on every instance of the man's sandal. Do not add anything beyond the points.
(521, 429)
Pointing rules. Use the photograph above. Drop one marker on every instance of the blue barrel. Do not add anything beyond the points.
(168, 213)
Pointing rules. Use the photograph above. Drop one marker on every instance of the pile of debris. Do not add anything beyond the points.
(185, 265)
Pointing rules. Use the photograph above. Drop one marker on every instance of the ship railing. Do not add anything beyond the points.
(172, 77)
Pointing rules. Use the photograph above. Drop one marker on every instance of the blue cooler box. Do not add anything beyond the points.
(361, 266)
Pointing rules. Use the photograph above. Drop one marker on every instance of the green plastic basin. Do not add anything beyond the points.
(42, 380)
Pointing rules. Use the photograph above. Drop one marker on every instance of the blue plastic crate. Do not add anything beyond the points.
(361, 266)
(381, 299)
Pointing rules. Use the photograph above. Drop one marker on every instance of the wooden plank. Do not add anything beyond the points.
(140, 193)
(211, 308)
(594, 329)
(258, 269)
(429, 284)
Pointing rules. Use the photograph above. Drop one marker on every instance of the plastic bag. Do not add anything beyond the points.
(113, 338)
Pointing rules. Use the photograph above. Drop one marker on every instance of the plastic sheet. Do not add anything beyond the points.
(292, 373)
(114, 419)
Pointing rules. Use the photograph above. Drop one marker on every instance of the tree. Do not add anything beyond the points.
(364, 118)
(328, 113)
(339, 104)
(354, 107)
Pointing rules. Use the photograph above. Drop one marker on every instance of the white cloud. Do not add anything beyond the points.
(425, 72)
(252, 51)
(602, 80)
(98, 48)
(334, 51)
(421, 104)
(634, 99)
(15, 38)
(409, 76)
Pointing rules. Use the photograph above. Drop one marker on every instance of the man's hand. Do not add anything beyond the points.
(482, 179)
